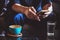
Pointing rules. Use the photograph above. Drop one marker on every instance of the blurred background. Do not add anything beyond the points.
(52, 26)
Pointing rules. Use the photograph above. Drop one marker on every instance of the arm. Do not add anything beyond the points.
(19, 8)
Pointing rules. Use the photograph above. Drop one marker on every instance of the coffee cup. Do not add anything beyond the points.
(15, 29)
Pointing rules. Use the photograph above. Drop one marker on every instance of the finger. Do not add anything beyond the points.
(34, 15)
(37, 18)
(44, 10)
(32, 12)
(33, 9)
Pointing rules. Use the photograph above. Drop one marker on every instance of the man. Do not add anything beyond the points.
(27, 14)
(56, 7)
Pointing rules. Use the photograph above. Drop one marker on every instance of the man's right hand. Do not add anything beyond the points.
(31, 13)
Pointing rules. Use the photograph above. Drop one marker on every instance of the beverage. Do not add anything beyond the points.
(14, 26)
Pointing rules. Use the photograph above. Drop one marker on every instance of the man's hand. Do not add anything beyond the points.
(31, 13)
